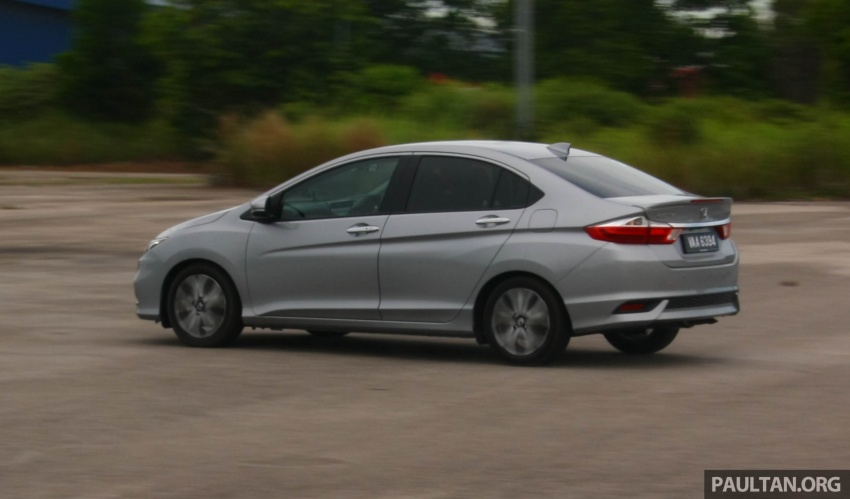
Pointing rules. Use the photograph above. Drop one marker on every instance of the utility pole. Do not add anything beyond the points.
(524, 66)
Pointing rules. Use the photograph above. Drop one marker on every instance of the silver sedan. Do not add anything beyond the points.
(518, 245)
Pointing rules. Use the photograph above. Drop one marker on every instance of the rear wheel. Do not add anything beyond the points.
(203, 307)
(642, 340)
(525, 322)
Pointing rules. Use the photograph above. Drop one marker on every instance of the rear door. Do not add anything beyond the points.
(459, 213)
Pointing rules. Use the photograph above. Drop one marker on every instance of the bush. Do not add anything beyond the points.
(436, 104)
(24, 92)
(820, 159)
(380, 88)
(492, 111)
(256, 149)
(717, 108)
(486, 111)
(675, 124)
(267, 150)
(784, 112)
(561, 100)
(54, 138)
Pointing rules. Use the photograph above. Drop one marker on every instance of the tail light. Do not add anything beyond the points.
(637, 230)
(724, 231)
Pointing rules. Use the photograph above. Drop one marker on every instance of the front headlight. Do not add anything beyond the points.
(154, 243)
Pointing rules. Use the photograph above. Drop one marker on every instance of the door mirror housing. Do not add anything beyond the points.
(259, 211)
(267, 208)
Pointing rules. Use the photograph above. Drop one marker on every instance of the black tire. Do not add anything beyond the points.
(204, 307)
(526, 322)
(642, 341)
(328, 334)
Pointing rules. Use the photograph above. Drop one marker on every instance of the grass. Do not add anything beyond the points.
(733, 151)
(55, 138)
(710, 145)
(178, 180)
(268, 149)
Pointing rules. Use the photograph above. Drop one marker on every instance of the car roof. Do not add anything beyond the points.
(523, 150)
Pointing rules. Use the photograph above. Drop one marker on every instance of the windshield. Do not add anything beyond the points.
(606, 178)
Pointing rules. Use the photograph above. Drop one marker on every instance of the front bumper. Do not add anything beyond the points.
(147, 286)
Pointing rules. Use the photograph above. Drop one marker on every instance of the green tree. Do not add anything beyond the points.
(629, 45)
(735, 50)
(243, 55)
(109, 73)
(704, 5)
(451, 37)
(828, 23)
(742, 56)
(797, 59)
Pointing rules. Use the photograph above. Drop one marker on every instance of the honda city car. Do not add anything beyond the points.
(517, 245)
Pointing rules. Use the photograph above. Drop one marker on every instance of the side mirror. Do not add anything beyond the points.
(258, 209)
(267, 209)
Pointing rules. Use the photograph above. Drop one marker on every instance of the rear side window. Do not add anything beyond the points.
(459, 184)
(606, 178)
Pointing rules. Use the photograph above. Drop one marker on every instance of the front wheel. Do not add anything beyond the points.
(525, 322)
(204, 307)
(642, 340)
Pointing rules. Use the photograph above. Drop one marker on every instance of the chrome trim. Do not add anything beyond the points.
(642, 222)
(492, 220)
(154, 243)
(697, 225)
(358, 230)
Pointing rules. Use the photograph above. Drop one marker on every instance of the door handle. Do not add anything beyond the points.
(360, 229)
(491, 220)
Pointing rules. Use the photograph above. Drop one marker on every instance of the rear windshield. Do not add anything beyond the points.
(606, 178)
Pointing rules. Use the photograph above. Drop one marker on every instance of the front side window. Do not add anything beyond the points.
(355, 189)
(459, 184)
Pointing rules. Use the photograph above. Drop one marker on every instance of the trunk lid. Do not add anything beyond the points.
(698, 218)
(675, 210)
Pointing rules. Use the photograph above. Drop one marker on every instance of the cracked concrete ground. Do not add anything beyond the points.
(95, 403)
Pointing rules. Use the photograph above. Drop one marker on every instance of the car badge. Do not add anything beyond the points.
(703, 212)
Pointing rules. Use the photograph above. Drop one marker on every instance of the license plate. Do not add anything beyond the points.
(700, 242)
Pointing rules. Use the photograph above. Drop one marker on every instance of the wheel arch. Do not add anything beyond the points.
(487, 289)
(169, 278)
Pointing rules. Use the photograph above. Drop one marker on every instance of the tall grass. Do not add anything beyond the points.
(267, 149)
(736, 153)
(55, 138)
(27, 91)
(708, 145)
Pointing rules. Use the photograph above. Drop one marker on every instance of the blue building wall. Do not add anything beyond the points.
(34, 30)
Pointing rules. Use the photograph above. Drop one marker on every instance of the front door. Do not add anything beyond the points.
(321, 258)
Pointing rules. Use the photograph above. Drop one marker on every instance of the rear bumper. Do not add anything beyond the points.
(620, 274)
(662, 314)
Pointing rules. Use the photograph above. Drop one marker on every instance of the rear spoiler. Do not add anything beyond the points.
(678, 209)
